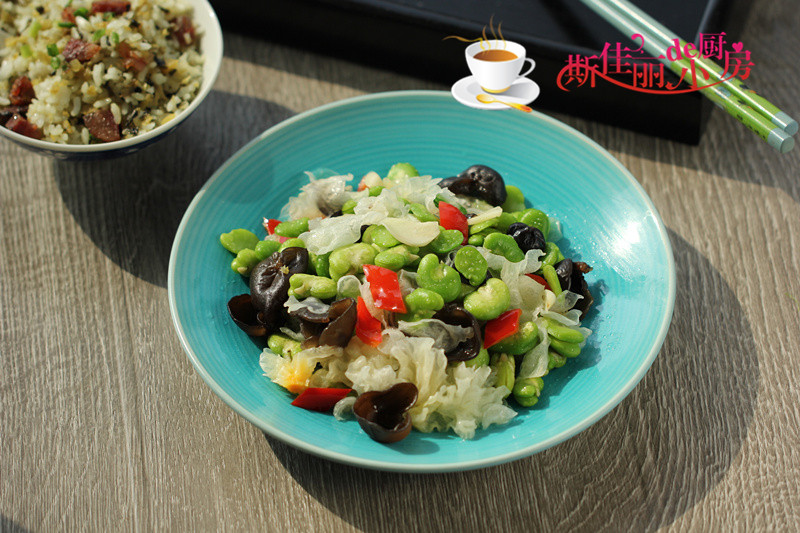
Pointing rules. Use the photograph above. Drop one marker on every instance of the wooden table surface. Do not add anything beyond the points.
(105, 425)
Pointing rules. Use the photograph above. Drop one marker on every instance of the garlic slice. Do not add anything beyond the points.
(486, 215)
(410, 231)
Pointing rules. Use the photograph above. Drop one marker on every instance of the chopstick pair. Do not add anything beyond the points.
(755, 112)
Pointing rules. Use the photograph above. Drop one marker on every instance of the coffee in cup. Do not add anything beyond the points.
(496, 64)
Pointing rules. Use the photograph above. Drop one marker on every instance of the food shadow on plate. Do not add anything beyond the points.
(640, 467)
(131, 206)
(557, 378)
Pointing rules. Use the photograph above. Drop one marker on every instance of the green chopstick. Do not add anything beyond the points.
(755, 112)
(734, 85)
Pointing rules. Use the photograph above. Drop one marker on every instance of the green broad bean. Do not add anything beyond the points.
(397, 257)
(537, 219)
(350, 259)
(505, 245)
(567, 349)
(348, 287)
(447, 241)
(481, 226)
(482, 359)
(552, 254)
(466, 289)
(555, 360)
(379, 236)
(527, 390)
(237, 240)
(421, 213)
(515, 200)
(319, 264)
(245, 261)
(390, 260)
(422, 303)
(476, 240)
(266, 248)
(305, 285)
(292, 243)
(505, 368)
(424, 299)
(438, 277)
(399, 170)
(472, 265)
(524, 340)
(283, 345)
(348, 208)
(482, 235)
(292, 228)
(550, 276)
(504, 221)
(489, 301)
(563, 333)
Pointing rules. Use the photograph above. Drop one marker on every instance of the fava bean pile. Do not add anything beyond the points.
(411, 301)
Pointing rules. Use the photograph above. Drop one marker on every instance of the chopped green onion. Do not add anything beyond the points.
(25, 50)
(66, 25)
(69, 3)
(52, 49)
(55, 63)
(82, 12)
(115, 38)
(34, 28)
(96, 36)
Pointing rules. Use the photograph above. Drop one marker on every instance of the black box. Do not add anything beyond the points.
(408, 36)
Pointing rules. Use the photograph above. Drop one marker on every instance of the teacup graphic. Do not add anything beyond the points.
(496, 64)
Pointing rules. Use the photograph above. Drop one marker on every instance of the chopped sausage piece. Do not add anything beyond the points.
(21, 91)
(20, 125)
(68, 14)
(117, 7)
(9, 111)
(131, 60)
(80, 50)
(183, 30)
(101, 125)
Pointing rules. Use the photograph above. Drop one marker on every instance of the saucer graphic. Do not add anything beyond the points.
(522, 91)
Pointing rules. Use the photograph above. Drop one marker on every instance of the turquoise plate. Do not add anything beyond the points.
(607, 219)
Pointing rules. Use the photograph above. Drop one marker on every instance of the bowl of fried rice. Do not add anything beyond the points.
(98, 78)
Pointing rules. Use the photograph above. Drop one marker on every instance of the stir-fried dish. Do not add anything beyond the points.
(411, 302)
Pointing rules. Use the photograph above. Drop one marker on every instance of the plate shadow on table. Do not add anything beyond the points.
(131, 206)
(9, 526)
(641, 467)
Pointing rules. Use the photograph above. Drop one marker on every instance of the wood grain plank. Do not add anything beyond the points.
(104, 425)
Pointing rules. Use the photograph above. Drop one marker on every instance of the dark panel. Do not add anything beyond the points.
(408, 36)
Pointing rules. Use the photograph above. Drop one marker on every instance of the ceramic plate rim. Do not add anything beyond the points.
(521, 452)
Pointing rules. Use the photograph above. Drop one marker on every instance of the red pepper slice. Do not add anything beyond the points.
(385, 288)
(368, 328)
(501, 327)
(269, 225)
(320, 398)
(451, 217)
(539, 279)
